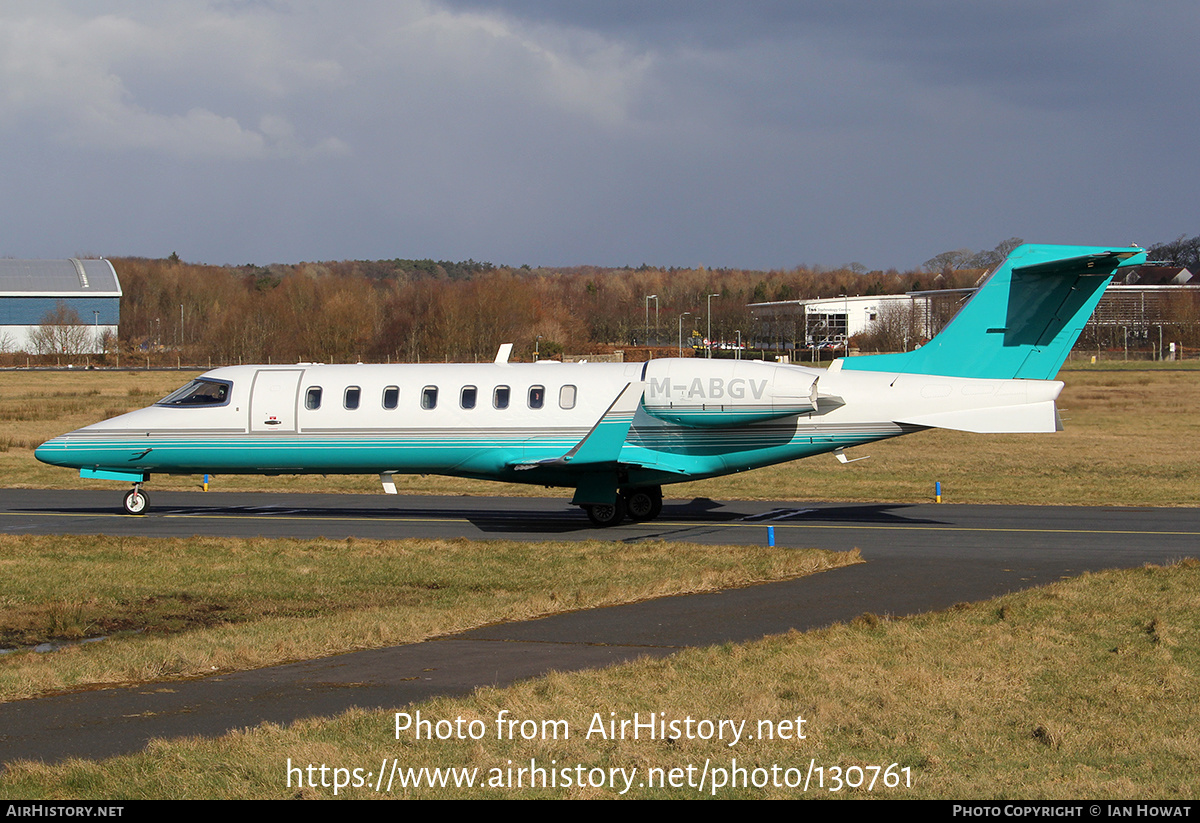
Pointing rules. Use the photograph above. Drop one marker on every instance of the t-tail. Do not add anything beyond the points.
(1024, 320)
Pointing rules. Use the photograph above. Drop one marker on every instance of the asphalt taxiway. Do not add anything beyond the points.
(919, 557)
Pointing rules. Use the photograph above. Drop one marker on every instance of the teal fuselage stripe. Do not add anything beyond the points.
(655, 455)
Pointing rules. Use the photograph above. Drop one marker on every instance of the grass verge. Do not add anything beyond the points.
(180, 608)
(1082, 689)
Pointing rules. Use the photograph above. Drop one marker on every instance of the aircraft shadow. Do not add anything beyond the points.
(698, 511)
(895, 514)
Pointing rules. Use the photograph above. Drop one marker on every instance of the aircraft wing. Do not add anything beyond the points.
(602, 445)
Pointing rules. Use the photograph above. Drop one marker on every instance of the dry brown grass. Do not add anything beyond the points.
(1083, 689)
(187, 607)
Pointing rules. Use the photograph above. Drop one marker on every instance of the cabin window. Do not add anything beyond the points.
(566, 397)
(467, 399)
(352, 396)
(429, 397)
(500, 397)
(391, 397)
(537, 397)
(312, 398)
(200, 392)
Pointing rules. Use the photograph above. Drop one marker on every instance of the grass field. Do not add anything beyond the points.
(1128, 441)
(1085, 689)
(179, 608)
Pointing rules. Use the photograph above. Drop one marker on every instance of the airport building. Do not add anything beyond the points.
(829, 322)
(1145, 308)
(1149, 308)
(58, 306)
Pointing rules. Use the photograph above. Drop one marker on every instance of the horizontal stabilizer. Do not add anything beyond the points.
(1104, 263)
(1027, 418)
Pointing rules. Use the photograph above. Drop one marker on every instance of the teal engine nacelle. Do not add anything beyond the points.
(717, 393)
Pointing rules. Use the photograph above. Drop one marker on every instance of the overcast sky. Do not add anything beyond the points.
(748, 134)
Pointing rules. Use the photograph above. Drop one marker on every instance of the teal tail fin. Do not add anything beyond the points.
(1022, 322)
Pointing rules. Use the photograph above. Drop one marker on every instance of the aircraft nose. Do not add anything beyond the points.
(53, 452)
(43, 451)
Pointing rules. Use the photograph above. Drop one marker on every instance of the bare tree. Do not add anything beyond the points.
(1183, 251)
(949, 261)
(993, 258)
(61, 332)
(898, 326)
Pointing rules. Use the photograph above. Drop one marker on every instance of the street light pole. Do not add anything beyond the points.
(708, 347)
(685, 314)
(647, 326)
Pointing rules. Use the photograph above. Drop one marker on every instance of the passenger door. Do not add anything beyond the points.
(273, 400)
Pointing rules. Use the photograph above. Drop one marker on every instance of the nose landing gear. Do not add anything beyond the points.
(136, 501)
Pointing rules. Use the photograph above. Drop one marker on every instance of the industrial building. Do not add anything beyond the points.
(1151, 307)
(58, 306)
(1148, 307)
(830, 322)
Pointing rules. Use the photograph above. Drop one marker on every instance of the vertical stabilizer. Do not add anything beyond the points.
(1022, 322)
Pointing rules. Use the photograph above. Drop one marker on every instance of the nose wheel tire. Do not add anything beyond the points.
(643, 504)
(605, 515)
(136, 502)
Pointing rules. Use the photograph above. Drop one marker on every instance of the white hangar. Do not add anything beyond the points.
(58, 306)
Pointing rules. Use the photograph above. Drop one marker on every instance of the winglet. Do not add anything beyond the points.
(502, 353)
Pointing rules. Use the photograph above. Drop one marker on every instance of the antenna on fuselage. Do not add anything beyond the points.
(503, 352)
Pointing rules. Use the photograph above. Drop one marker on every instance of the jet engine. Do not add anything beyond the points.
(717, 393)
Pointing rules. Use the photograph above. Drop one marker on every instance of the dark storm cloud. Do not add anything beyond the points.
(750, 134)
(1069, 53)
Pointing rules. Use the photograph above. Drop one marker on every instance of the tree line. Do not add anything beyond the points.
(409, 310)
(422, 311)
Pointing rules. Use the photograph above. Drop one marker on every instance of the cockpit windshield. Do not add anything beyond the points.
(200, 392)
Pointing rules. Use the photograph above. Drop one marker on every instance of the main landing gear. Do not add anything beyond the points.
(643, 504)
(639, 504)
(136, 501)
